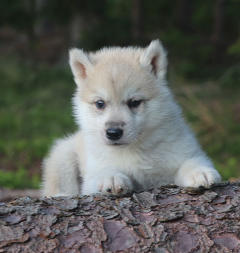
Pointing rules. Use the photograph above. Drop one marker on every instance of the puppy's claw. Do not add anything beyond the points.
(120, 190)
(117, 184)
(112, 183)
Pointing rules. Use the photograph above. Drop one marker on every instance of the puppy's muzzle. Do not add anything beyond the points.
(114, 133)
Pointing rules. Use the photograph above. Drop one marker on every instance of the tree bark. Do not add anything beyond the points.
(168, 219)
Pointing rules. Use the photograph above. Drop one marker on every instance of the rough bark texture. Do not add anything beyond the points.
(168, 219)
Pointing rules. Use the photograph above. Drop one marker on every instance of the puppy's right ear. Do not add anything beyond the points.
(79, 63)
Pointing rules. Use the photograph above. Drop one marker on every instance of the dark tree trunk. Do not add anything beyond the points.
(218, 15)
(136, 19)
(168, 219)
(31, 10)
(183, 15)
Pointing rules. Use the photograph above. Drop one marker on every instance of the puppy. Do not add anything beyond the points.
(131, 135)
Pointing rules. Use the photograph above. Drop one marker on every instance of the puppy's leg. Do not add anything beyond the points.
(106, 182)
(197, 172)
(60, 170)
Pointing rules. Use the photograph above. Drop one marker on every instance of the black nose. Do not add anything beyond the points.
(114, 133)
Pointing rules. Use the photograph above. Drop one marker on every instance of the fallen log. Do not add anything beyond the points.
(168, 219)
(9, 194)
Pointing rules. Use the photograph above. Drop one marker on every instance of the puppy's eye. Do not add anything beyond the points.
(133, 103)
(100, 104)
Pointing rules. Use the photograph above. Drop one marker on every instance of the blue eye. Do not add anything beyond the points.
(133, 103)
(100, 104)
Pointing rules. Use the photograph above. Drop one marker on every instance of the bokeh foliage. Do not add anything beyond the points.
(202, 39)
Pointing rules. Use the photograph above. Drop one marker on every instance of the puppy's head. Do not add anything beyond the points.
(118, 91)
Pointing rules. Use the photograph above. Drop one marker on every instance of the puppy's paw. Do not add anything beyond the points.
(202, 176)
(114, 183)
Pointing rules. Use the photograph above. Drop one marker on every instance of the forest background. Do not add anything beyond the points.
(203, 43)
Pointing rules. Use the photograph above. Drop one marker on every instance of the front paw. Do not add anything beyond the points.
(202, 176)
(114, 183)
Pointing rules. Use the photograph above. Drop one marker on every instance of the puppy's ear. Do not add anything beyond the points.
(79, 63)
(155, 57)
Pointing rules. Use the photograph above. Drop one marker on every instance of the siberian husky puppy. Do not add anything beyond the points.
(131, 135)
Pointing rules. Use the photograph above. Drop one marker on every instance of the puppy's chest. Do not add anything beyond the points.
(126, 161)
(146, 169)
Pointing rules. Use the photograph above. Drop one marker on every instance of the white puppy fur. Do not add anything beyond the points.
(126, 89)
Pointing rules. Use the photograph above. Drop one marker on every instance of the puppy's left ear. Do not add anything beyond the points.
(155, 57)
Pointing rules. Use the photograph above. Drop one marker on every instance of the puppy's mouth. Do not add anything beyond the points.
(115, 143)
(119, 144)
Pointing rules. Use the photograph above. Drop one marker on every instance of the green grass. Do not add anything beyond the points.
(19, 179)
(35, 109)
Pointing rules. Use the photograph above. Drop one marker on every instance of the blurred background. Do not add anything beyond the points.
(36, 85)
